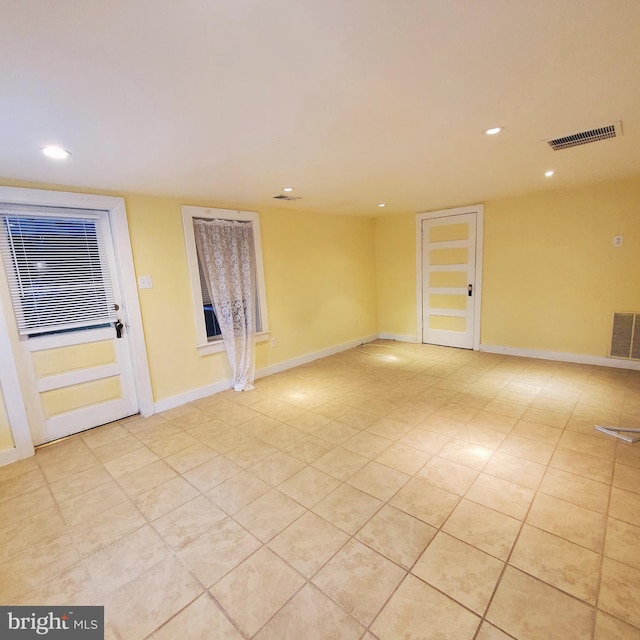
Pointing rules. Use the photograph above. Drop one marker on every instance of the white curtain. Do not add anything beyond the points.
(226, 251)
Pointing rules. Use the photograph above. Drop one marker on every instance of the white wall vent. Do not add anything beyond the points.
(625, 336)
(585, 137)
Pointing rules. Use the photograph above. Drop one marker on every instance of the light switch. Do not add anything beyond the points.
(618, 241)
(145, 282)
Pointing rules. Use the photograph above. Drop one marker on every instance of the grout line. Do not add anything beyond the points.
(397, 380)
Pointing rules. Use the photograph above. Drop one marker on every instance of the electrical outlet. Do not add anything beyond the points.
(618, 241)
(274, 343)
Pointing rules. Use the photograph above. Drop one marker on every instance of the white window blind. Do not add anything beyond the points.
(57, 270)
(206, 298)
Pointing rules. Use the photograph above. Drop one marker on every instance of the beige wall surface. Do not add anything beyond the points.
(551, 275)
(6, 438)
(552, 278)
(319, 279)
(395, 238)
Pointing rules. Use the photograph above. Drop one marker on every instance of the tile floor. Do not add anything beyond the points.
(394, 491)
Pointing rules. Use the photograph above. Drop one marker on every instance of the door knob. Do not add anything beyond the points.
(118, 327)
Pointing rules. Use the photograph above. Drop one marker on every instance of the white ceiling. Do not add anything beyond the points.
(352, 102)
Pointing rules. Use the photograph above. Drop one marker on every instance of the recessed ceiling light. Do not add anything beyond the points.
(549, 173)
(288, 189)
(382, 204)
(57, 153)
(493, 130)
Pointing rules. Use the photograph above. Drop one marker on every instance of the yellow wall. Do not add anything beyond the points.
(155, 225)
(395, 238)
(6, 439)
(319, 279)
(320, 286)
(552, 278)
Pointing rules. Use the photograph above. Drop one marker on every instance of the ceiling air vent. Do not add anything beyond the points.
(284, 196)
(585, 137)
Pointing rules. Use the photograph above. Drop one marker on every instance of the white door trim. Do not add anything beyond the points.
(13, 401)
(115, 207)
(478, 209)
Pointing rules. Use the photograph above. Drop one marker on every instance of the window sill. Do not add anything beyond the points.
(218, 345)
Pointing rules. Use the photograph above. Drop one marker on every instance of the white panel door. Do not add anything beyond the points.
(448, 280)
(82, 368)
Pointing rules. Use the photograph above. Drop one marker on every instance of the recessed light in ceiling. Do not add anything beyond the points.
(57, 153)
(382, 204)
(493, 130)
(548, 174)
(287, 189)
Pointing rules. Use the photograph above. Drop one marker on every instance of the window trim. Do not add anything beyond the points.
(203, 345)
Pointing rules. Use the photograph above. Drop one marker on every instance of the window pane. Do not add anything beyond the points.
(211, 322)
(206, 298)
(210, 319)
(57, 275)
(206, 316)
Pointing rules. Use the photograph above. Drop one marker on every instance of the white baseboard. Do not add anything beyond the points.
(397, 337)
(310, 357)
(189, 396)
(563, 357)
(196, 394)
(202, 392)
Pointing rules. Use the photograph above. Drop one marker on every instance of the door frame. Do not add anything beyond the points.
(13, 401)
(115, 207)
(478, 209)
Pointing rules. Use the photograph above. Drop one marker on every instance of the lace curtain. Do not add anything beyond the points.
(226, 251)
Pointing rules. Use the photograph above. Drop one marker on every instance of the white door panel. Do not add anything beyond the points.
(448, 280)
(83, 381)
(83, 373)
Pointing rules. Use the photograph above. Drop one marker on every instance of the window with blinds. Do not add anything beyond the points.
(57, 271)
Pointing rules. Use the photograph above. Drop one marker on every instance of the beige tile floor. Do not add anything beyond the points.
(398, 491)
